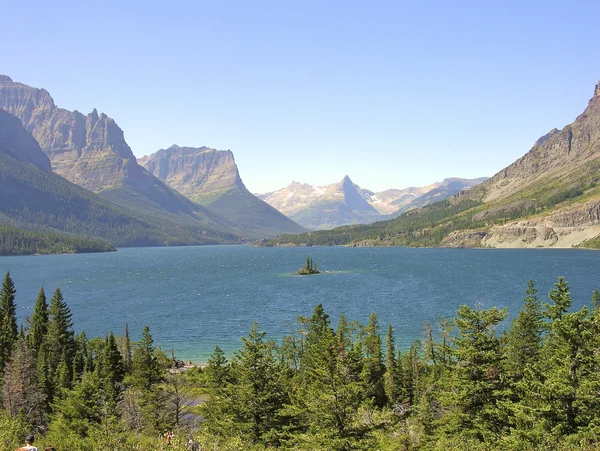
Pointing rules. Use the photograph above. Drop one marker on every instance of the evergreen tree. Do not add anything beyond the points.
(525, 335)
(60, 345)
(391, 370)
(373, 367)
(110, 370)
(38, 325)
(21, 394)
(126, 351)
(146, 375)
(258, 394)
(8, 320)
(566, 379)
(480, 385)
(328, 395)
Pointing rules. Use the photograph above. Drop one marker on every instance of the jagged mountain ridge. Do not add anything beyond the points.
(550, 197)
(345, 203)
(91, 151)
(211, 178)
(33, 198)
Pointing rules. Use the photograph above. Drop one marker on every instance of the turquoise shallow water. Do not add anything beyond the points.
(196, 297)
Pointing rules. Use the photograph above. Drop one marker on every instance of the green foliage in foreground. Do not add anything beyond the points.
(465, 385)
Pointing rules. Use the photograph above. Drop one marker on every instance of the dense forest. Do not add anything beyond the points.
(470, 382)
(48, 205)
(17, 241)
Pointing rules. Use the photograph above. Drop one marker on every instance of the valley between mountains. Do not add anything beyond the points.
(71, 183)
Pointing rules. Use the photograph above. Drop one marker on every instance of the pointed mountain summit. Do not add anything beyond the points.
(323, 207)
(91, 151)
(550, 197)
(345, 203)
(211, 178)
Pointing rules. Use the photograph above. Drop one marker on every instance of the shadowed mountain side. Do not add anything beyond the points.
(91, 151)
(37, 199)
(211, 178)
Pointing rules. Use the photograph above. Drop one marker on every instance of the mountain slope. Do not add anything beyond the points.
(35, 199)
(440, 191)
(91, 151)
(324, 207)
(550, 197)
(211, 178)
(344, 203)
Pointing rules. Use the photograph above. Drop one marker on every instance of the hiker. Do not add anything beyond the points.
(28, 444)
(192, 445)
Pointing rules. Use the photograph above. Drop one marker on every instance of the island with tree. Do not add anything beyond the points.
(308, 269)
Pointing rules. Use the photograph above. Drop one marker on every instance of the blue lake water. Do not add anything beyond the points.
(194, 298)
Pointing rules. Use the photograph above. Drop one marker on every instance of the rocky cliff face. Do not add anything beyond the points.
(558, 152)
(91, 151)
(201, 174)
(211, 178)
(561, 170)
(562, 229)
(19, 144)
(87, 150)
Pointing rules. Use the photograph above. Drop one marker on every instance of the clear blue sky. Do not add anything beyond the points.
(392, 93)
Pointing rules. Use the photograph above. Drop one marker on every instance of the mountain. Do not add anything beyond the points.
(91, 151)
(211, 178)
(345, 203)
(324, 207)
(42, 212)
(550, 197)
(438, 192)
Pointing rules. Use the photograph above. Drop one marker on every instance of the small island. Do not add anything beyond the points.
(309, 268)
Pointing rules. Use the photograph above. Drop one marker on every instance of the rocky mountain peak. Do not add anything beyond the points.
(198, 173)
(597, 89)
(5, 79)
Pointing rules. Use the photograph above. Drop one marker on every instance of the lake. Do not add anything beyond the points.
(194, 298)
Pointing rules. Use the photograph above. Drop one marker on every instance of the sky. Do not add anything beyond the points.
(390, 93)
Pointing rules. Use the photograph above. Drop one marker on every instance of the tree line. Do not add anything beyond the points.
(470, 382)
(464, 385)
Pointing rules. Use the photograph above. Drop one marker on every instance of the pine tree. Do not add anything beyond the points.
(146, 369)
(391, 370)
(60, 345)
(218, 369)
(114, 371)
(567, 375)
(146, 375)
(525, 335)
(38, 325)
(21, 394)
(126, 351)
(8, 320)
(373, 367)
(480, 383)
(258, 393)
(328, 393)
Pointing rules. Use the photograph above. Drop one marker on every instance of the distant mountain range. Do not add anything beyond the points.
(345, 203)
(548, 198)
(211, 178)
